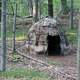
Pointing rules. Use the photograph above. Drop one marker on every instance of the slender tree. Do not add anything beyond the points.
(50, 8)
(30, 5)
(40, 11)
(35, 10)
(78, 53)
(14, 27)
(3, 37)
(0, 9)
(72, 14)
(65, 8)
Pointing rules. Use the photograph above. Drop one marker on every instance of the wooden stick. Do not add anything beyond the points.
(29, 57)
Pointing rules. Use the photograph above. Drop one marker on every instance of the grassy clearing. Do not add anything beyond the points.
(20, 35)
(25, 74)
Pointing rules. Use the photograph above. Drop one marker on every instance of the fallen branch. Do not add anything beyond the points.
(29, 57)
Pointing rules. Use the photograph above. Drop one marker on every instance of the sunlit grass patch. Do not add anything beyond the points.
(72, 35)
(24, 73)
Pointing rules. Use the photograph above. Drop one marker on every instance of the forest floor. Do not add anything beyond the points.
(61, 67)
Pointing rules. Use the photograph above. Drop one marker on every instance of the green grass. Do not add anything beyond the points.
(20, 35)
(24, 73)
(72, 35)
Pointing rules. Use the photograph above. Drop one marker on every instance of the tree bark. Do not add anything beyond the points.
(50, 8)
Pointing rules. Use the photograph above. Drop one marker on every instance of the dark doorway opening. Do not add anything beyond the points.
(54, 48)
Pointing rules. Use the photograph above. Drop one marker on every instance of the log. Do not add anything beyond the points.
(29, 57)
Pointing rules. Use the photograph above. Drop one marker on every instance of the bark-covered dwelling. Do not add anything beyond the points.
(47, 36)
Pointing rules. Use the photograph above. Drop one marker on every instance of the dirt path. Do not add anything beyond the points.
(68, 60)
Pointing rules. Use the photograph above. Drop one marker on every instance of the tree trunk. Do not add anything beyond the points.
(30, 4)
(65, 9)
(50, 8)
(72, 25)
(40, 10)
(14, 28)
(78, 53)
(0, 10)
(3, 37)
(35, 10)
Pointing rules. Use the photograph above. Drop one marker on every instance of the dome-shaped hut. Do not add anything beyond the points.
(48, 36)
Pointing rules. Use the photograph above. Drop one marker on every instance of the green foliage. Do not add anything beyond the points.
(16, 58)
(72, 35)
(45, 10)
(23, 10)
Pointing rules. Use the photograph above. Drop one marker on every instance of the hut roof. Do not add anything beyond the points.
(43, 22)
